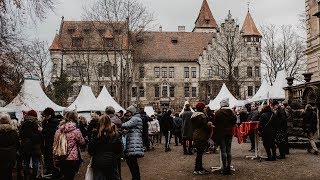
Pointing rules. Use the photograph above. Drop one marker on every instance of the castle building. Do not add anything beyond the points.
(166, 68)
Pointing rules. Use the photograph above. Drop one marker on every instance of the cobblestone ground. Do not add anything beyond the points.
(158, 164)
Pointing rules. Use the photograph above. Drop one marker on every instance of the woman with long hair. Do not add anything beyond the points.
(71, 163)
(105, 149)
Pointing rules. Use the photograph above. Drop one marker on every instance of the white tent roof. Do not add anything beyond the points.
(105, 99)
(149, 110)
(186, 102)
(223, 94)
(262, 93)
(276, 91)
(86, 101)
(31, 96)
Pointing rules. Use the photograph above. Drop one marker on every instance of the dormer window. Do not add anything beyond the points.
(207, 21)
(101, 31)
(108, 42)
(174, 40)
(71, 30)
(76, 42)
(87, 30)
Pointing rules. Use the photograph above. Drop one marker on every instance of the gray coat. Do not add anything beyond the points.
(134, 143)
(187, 129)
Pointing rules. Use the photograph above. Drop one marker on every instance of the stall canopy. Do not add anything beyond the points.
(149, 110)
(223, 94)
(277, 91)
(105, 99)
(31, 96)
(86, 101)
(4, 109)
(262, 93)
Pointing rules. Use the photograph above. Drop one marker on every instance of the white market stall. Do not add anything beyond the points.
(31, 96)
(277, 91)
(149, 110)
(262, 93)
(105, 99)
(223, 94)
(86, 101)
(4, 109)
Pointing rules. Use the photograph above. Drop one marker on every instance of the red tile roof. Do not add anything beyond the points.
(161, 46)
(205, 18)
(56, 44)
(249, 27)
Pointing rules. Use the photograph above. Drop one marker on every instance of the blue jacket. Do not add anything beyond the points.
(134, 143)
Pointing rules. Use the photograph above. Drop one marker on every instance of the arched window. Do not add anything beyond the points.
(107, 69)
(249, 71)
(249, 52)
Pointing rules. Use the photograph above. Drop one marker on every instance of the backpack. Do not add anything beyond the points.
(60, 149)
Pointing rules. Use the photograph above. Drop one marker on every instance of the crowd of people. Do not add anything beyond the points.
(53, 143)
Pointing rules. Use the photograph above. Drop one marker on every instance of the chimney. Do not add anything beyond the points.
(160, 28)
(181, 28)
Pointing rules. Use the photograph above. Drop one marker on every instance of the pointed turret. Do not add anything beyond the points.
(205, 21)
(249, 28)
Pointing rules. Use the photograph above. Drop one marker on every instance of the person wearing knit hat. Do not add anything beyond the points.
(134, 143)
(114, 119)
(224, 122)
(8, 146)
(200, 106)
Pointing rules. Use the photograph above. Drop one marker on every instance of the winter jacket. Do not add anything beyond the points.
(167, 123)
(74, 139)
(30, 136)
(267, 124)
(309, 122)
(115, 120)
(253, 115)
(201, 131)
(9, 143)
(177, 125)
(92, 128)
(153, 126)
(224, 122)
(187, 129)
(49, 128)
(134, 143)
(281, 119)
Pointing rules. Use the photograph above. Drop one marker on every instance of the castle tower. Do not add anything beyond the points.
(252, 53)
(205, 21)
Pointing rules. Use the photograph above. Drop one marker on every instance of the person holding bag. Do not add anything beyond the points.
(70, 164)
(105, 150)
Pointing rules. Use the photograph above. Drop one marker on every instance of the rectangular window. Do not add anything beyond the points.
(210, 72)
(108, 42)
(164, 91)
(100, 70)
(249, 71)
(156, 72)
(250, 91)
(194, 72)
(134, 92)
(186, 91)
(186, 72)
(68, 70)
(157, 91)
(171, 72)
(55, 69)
(216, 70)
(222, 71)
(194, 91)
(164, 72)
(171, 91)
(236, 72)
(76, 42)
(141, 91)
(257, 71)
(141, 72)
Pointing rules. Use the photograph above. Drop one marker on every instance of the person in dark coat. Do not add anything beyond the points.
(134, 143)
(177, 126)
(92, 127)
(49, 126)
(225, 120)
(253, 116)
(281, 124)
(187, 130)
(145, 133)
(267, 130)
(9, 144)
(201, 135)
(83, 126)
(30, 143)
(107, 143)
(167, 127)
(309, 125)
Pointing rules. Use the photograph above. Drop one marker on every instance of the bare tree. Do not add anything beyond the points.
(127, 19)
(282, 49)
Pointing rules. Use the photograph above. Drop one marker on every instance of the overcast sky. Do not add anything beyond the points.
(172, 13)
